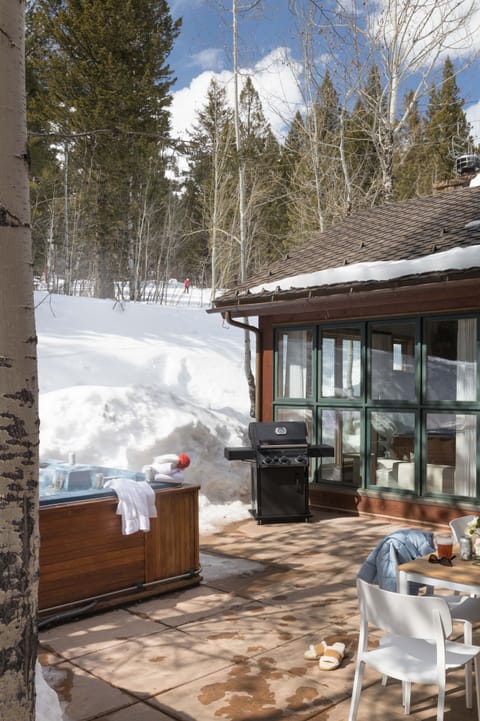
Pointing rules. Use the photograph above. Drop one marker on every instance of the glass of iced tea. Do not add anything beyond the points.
(444, 545)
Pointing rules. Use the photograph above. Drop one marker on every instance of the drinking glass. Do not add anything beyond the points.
(444, 545)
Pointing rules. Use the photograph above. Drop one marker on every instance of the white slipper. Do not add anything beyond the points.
(315, 651)
(332, 656)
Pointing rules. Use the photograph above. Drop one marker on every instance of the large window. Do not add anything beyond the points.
(397, 400)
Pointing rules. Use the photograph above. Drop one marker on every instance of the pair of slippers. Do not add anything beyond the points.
(329, 657)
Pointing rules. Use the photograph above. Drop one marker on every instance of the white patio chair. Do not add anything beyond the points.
(458, 525)
(417, 649)
(471, 612)
(463, 609)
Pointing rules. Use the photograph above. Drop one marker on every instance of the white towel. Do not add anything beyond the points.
(136, 503)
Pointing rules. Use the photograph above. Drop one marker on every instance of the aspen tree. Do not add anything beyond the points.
(18, 388)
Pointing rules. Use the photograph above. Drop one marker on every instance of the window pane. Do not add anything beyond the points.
(341, 429)
(287, 413)
(294, 371)
(392, 361)
(451, 454)
(341, 358)
(451, 359)
(392, 445)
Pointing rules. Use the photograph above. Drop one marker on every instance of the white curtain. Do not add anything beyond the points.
(466, 425)
(295, 356)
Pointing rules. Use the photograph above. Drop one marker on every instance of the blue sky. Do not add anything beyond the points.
(205, 41)
(268, 51)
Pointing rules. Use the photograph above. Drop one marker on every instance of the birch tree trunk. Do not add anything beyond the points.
(18, 388)
(247, 360)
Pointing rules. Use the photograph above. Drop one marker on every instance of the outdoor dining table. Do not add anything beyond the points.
(462, 576)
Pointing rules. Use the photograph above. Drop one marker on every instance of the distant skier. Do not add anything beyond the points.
(186, 285)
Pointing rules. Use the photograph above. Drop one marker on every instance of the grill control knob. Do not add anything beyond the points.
(284, 459)
(301, 459)
(267, 460)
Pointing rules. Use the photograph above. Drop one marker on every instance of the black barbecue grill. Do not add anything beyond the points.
(279, 454)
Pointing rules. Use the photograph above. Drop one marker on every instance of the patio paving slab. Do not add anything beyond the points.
(232, 647)
(378, 703)
(193, 604)
(147, 665)
(252, 690)
(96, 632)
(244, 636)
(137, 712)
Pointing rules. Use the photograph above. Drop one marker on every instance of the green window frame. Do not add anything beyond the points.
(399, 399)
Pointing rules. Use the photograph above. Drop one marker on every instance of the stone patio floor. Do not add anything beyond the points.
(231, 648)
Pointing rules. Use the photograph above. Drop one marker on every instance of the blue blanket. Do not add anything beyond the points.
(399, 547)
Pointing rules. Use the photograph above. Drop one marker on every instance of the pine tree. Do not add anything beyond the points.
(46, 181)
(447, 132)
(293, 148)
(210, 189)
(362, 151)
(317, 182)
(293, 151)
(265, 208)
(106, 96)
(412, 170)
(325, 129)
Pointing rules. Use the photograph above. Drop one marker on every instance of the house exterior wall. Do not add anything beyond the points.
(398, 302)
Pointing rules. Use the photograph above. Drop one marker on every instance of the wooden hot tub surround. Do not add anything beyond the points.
(86, 562)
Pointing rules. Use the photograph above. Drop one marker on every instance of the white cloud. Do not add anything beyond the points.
(210, 58)
(274, 77)
(187, 101)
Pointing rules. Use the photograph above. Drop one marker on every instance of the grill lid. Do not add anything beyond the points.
(278, 433)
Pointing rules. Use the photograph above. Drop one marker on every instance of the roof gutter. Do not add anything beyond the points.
(258, 359)
(291, 301)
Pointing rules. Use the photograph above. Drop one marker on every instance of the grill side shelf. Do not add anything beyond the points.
(239, 454)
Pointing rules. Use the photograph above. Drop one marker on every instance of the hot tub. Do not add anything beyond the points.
(85, 561)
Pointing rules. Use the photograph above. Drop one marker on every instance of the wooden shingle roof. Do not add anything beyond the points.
(398, 231)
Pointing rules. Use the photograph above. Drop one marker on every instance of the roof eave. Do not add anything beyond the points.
(279, 301)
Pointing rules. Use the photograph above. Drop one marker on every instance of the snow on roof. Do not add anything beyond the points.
(454, 259)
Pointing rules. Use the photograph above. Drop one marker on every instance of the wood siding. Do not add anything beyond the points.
(83, 554)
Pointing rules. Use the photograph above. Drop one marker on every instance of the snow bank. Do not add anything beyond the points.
(123, 383)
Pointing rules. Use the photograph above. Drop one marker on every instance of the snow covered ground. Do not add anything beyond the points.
(121, 383)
